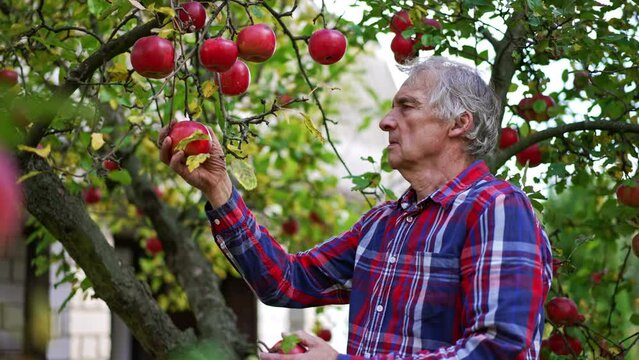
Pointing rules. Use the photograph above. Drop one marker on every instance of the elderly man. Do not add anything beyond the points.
(457, 268)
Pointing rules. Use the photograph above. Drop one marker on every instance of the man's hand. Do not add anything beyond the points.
(210, 177)
(318, 349)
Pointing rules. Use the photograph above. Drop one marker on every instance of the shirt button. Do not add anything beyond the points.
(379, 308)
(392, 259)
(404, 205)
(216, 222)
(409, 219)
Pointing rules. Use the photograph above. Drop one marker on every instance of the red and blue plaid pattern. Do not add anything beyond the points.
(462, 274)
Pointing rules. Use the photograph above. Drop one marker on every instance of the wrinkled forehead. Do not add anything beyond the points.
(419, 85)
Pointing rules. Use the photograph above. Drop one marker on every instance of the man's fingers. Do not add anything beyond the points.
(165, 150)
(308, 339)
(164, 132)
(177, 162)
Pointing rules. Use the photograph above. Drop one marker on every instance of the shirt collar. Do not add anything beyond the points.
(449, 191)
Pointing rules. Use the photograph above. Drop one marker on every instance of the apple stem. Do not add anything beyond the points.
(262, 346)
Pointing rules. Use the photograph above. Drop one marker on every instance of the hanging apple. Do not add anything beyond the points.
(509, 136)
(256, 43)
(153, 57)
(218, 54)
(8, 77)
(327, 46)
(236, 80)
(191, 16)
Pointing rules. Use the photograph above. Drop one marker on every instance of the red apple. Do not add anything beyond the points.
(596, 277)
(561, 346)
(288, 345)
(563, 311)
(153, 57)
(110, 165)
(11, 200)
(581, 80)
(635, 245)
(324, 334)
(256, 43)
(290, 227)
(91, 195)
(403, 47)
(153, 245)
(284, 100)
(192, 16)
(628, 195)
(526, 107)
(8, 77)
(400, 22)
(508, 137)
(403, 59)
(218, 54)
(531, 155)
(236, 80)
(327, 46)
(184, 129)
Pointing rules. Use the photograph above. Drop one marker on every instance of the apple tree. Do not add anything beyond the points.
(87, 85)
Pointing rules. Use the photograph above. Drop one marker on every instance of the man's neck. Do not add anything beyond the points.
(429, 177)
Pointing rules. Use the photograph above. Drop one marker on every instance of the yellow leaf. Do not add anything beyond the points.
(24, 177)
(166, 10)
(195, 110)
(312, 129)
(243, 171)
(97, 141)
(114, 104)
(194, 161)
(118, 73)
(166, 33)
(236, 150)
(43, 153)
(136, 119)
(209, 88)
(196, 135)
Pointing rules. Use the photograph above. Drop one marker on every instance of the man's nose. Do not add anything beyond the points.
(387, 123)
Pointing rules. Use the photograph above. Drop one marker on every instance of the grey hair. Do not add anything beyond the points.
(459, 89)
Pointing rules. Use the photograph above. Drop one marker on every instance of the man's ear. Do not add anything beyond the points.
(461, 125)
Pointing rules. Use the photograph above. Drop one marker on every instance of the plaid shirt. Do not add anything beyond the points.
(461, 274)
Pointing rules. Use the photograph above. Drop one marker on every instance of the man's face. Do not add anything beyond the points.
(415, 135)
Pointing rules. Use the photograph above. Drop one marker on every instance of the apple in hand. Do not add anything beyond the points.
(236, 80)
(11, 199)
(153, 57)
(192, 16)
(256, 43)
(8, 77)
(289, 344)
(218, 54)
(628, 195)
(182, 130)
(327, 46)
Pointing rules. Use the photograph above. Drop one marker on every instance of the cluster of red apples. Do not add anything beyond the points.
(534, 108)
(562, 311)
(154, 57)
(406, 49)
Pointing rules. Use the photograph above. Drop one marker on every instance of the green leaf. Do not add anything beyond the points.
(244, 172)
(634, 319)
(289, 342)
(194, 161)
(121, 176)
(196, 135)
